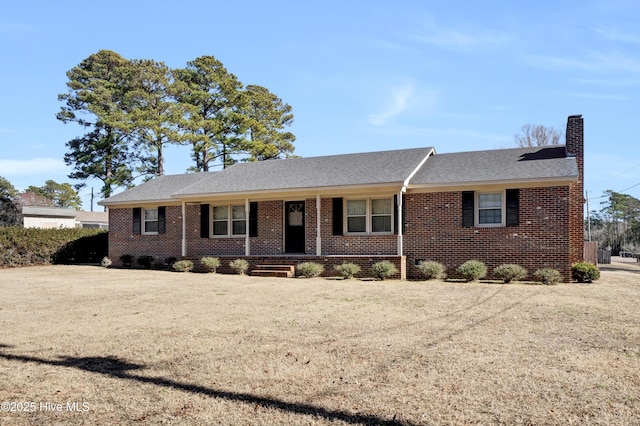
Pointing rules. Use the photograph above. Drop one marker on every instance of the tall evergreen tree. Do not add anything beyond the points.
(154, 115)
(216, 123)
(9, 210)
(97, 101)
(268, 116)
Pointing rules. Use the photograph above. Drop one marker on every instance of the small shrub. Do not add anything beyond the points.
(169, 261)
(106, 262)
(183, 265)
(240, 266)
(585, 272)
(347, 270)
(146, 261)
(548, 276)
(509, 272)
(384, 269)
(432, 270)
(211, 264)
(310, 269)
(127, 259)
(472, 270)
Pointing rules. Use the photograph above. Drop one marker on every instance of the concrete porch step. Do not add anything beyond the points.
(284, 271)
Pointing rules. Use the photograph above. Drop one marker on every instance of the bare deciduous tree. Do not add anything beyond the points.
(538, 135)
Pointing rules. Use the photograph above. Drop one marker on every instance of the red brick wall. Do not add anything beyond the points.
(123, 241)
(353, 244)
(549, 235)
(434, 231)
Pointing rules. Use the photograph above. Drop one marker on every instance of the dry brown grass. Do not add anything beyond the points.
(151, 347)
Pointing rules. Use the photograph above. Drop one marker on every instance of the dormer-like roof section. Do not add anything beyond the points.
(501, 166)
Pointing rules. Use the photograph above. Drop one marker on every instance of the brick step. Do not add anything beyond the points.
(284, 271)
(278, 274)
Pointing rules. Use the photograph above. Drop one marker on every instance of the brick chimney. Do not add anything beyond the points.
(575, 136)
(575, 144)
(575, 148)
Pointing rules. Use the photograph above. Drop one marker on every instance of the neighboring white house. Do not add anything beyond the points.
(56, 217)
(98, 220)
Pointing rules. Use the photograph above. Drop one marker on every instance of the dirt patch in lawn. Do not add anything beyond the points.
(87, 345)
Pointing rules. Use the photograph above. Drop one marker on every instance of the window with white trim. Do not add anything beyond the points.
(150, 221)
(490, 209)
(370, 215)
(229, 220)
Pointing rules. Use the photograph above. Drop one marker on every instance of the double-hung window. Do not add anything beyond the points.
(150, 222)
(229, 221)
(490, 209)
(370, 215)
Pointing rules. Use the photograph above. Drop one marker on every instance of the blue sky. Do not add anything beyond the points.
(360, 76)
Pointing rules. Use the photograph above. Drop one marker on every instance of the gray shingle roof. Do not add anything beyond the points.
(362, 169)
(156, 189)
(371, 168)
(517, 164)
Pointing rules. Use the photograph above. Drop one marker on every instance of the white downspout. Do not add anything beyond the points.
(184, 229)
(318, 222)
(247, 244)
(405, 184)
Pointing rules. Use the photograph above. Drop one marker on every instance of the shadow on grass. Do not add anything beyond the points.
(113, 367)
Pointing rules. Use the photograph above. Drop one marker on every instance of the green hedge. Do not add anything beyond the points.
(32, 246)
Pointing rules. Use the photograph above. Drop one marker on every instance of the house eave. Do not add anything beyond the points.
(520, 183)
(289, 193)
(129, 203)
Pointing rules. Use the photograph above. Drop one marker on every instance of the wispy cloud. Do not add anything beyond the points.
(610, 82)
(450, 38)
(30, 167)
(405, 100)
(615, 35)
(15, 27)
(591, 61)
(602, 97)
(397, 104)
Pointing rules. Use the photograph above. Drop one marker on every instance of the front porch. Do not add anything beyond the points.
(328, 261)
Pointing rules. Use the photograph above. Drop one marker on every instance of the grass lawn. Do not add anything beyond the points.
(87, 345)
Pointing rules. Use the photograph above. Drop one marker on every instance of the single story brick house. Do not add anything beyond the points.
(520, 205)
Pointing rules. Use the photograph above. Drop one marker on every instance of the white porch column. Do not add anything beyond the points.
(318, 222)
(184, 228)
(247, 244)
(399, 222)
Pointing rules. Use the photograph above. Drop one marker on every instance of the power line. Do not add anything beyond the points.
(619, 192)
(618, 174)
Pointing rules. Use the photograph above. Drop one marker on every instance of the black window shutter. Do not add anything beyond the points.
(137, 220)
(204, 220)
(337, 216)
(395, 214)
(162, 213)
(513, 207)
(253, 219)
(467, 208)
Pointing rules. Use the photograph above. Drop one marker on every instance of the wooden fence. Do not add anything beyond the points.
(591, 252)
(596, 255)
(604, 256)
